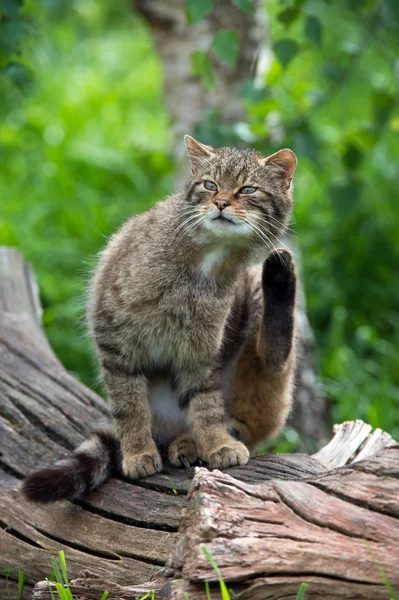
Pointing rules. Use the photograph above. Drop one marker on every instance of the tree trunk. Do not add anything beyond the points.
(188, 102)
(293, 528)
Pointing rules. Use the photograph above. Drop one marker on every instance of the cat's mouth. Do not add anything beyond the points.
(223, 219)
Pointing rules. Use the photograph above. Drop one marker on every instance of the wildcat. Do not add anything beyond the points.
(195, 337)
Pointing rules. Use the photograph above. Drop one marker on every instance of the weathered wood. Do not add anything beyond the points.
(298, 522)
(125, 531)
(334, 532)
(270, 525)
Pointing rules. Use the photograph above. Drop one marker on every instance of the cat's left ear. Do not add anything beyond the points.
(198, 153)
(285, 161)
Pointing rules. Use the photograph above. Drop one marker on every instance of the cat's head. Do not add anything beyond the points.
(238, 193)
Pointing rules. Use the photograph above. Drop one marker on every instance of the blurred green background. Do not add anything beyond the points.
(85, 141)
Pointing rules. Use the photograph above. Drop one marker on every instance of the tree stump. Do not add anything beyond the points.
(329, 520)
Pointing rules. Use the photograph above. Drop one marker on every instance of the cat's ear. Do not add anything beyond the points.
(285, 161)
(198, 153)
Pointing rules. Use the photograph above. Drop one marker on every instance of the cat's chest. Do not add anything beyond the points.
(189, 327)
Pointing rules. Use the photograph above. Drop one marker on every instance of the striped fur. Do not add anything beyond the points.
(193, 344)
(92, 463)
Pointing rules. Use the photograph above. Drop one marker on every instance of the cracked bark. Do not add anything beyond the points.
(188, 102)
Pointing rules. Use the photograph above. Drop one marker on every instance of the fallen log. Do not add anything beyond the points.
(269, 525)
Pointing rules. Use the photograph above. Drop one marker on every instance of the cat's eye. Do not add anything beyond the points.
(247, 190)
(210, 186)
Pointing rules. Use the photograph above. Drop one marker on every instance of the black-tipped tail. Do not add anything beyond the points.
(90, 465)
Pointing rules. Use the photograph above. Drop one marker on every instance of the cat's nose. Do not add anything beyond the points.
(221, 202)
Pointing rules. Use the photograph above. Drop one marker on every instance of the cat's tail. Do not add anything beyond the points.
(92, 463)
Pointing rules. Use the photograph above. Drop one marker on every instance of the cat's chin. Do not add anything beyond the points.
(227, 227)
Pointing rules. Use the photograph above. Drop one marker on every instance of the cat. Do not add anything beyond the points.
(194, 335)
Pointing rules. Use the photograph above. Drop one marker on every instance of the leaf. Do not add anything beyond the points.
(246, 6)
(288, 16)
(62, 592)
(313, 30)
(352, 157)
(17, 73)
(207, 590)
(223, 589)
(12, 34)
(334, 72)
(196, 10)
(10, 8)
(49, 587)
(383, 103)
(390, 13)
(253, 93)
(345, 198)
(301, 592)
(226, 45)
(56, 570)
(21, 577)
(202, 67)
(306, 143)
(286, 50)
(61, 556)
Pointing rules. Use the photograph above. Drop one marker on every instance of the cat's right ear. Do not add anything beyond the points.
(199, 154)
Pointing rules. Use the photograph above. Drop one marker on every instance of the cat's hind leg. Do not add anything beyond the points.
(265, 369)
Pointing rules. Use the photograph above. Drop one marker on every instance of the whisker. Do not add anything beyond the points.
(255, 227)
(182, 224)
(191, 227)
(269, 241)
(261, 218)
(278, 240)
(276, 221)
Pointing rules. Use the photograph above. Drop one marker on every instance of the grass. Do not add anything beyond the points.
(21, 579)
(230, 594)
(59, 576)
(61, 589)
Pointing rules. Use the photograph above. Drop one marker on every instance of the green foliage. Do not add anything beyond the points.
(226, 46)
(196, 10)
(223, 588)
(20, 579)
(313, 30)
(245, 5)
(286, 50)
(301, 592)
(202, 66)
(87, 147)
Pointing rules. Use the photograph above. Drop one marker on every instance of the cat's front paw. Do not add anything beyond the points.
(279, 268)
(141, 464)
(183, 451)
(231, 454)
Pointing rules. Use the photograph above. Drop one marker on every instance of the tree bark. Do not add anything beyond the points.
(124, 532)
(188, 102)
(337, 532)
